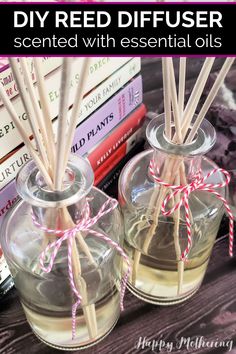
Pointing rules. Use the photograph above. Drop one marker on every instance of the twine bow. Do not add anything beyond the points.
(199, 183)
(68, 235)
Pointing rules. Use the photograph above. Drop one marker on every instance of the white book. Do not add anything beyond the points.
(7, 79)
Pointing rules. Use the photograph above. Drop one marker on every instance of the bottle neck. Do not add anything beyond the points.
(53, 209)
(178, 163)
(176, 169)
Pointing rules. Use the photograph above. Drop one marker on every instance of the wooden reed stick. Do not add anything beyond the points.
(181, 95)
(29, 109)
(180, 263)
(167, 101)
(35, 105)
(159, 194)
(14, 116)
(179, 139)
(63, 146)
(181, 91)
(88, 310)
(62, 123)
(44, 101)
(196, 94)
(174, 100)
(76, 107)
(210, 97)
(34, 99)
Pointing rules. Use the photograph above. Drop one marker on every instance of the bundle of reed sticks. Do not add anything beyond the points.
(51, 157)
(181, 126)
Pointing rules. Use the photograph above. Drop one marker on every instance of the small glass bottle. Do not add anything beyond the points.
(155, 243)
(48, 298)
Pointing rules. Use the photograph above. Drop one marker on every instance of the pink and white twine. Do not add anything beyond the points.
(68, 235)
(198, 183)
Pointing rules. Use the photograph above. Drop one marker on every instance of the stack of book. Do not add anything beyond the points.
(109, 123)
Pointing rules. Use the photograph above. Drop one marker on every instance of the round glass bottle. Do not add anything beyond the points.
(48, 298)
(155, 243)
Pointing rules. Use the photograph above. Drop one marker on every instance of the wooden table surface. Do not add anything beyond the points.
(211, 313)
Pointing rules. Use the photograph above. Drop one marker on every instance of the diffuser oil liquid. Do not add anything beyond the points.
(159, 285)
(155, 272)
(55, 328)
(47, 300)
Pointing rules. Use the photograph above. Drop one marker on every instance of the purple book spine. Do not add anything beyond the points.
(91, 131)
(100, 124)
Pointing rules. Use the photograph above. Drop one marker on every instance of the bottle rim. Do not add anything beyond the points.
(78, 181)
(203, 142)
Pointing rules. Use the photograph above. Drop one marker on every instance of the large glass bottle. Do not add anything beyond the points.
(48, 298)
(156, 243)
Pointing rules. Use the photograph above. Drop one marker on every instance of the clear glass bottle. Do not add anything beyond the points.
(47, 298)
(155, 243)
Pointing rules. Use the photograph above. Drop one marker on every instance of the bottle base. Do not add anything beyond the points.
(91, 327)
(154, 300)
(77, 347)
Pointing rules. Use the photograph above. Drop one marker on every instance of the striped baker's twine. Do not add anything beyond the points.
(83, 225)
(197, 184)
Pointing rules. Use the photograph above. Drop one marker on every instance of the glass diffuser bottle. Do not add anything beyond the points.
(156, 243)
(53, 279)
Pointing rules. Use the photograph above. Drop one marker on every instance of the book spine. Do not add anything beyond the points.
(91, 131)
(109, 184)
(6, 283)
(3, 269)
(7, 78)
(112, 113)
(11, 139)
(8, 198)
(116, 157)
(118, 136)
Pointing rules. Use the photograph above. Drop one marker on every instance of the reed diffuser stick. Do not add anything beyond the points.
(196, 94)
(29, 109)
(14, 116)
(181, 90)
(67, 134)
(167, 101)
(63, 145)
(180, 263)
(62, 122)
(34, 101)
(76, 107)
(176, 112)
(69, 137)
(158, 194)
(88, 310)
(44, 101)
